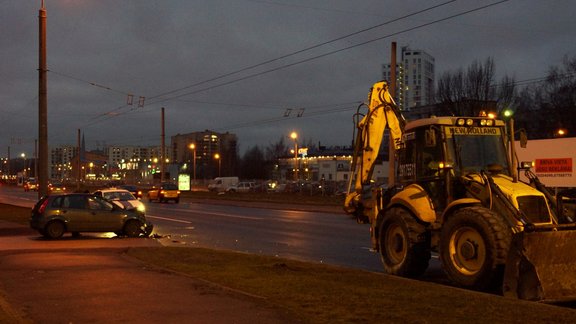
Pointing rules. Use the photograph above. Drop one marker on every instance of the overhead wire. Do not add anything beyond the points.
(310, 58)
(89, 82)
(299, 51)
(111, 114)
(279, 119)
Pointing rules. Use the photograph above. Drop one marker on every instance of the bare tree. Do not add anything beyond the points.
(546, 107)
(254, 165)
(277, 150)
(469, 93)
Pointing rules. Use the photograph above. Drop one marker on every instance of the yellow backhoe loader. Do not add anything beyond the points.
(457, 194)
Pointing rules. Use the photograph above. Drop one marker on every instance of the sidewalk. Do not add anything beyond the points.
(92, 280)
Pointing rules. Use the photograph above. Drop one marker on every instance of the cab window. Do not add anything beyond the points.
(428, 152)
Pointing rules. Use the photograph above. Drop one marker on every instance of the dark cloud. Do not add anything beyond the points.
(147, 48)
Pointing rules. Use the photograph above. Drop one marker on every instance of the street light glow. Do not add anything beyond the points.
(193, 148)
(217, 157)
(294, 136)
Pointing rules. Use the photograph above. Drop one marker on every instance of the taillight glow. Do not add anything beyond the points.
(43, 206)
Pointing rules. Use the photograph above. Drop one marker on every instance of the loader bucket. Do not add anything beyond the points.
(541, 266)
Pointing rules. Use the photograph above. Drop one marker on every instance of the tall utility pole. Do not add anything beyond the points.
(8, 171)
(36, 159)
(42, 107)
(78, 161)
(391, 148)
(162, 157)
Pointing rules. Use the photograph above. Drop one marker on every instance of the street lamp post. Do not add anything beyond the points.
(217, 157)
(23, 155)
(193, 148)
(294, 136)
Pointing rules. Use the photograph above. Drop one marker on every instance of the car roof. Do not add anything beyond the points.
(113, 190)
(59, 194)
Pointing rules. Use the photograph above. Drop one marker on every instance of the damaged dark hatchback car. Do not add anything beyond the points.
(54, 215)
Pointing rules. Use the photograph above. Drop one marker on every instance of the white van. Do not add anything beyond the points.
(223, 184)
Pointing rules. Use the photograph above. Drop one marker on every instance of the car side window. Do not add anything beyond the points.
(96, 203)
(93, 204)
(57, 202)
(75, 202)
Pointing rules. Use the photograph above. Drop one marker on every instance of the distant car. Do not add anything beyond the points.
(133, 189)
(54, 215)
(165, 193)
(122, 197)
(244, 186)
(31, 185)
(56, 187)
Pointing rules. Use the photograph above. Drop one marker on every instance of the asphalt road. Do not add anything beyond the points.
(331, 238)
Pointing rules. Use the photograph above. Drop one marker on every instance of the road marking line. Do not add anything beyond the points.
(169, 219)
(189, 211)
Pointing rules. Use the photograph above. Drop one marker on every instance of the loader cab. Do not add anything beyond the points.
(421, 161)
(438, 151)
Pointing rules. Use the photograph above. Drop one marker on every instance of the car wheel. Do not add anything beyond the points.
(132, 228)
(177, 200)
(54, 229)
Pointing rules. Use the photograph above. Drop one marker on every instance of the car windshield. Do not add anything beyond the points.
(475, 151)
(118, 195)
(169, 186)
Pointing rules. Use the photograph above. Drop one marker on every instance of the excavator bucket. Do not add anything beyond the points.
(541, 266)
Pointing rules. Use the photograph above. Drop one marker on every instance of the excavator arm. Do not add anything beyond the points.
(382, 113)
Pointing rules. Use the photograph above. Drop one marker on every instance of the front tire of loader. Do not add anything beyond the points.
(474, 243)
(404, 247)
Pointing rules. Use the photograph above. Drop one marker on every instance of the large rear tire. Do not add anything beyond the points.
(404, 247)
(474, 243)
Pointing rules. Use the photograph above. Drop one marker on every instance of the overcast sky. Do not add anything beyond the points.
(184, 54)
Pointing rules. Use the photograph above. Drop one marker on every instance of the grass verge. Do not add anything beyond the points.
(329, 294)
(320, 293)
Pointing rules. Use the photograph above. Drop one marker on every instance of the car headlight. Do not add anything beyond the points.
(141, 208)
